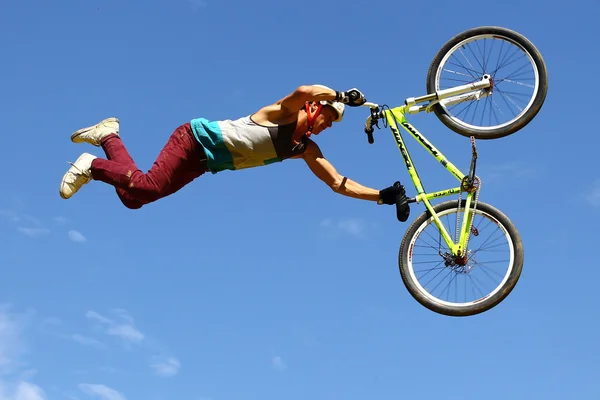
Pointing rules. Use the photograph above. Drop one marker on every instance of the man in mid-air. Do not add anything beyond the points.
(276, 132)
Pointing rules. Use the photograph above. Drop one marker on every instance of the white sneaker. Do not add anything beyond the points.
(78, 175)
(94, 134)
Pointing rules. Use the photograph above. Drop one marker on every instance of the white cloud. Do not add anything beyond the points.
(9, 215)
(33, 232)
(12, 349)
(327, 222)
(102, 392)
(123, 314)
(278, 363)
(167, 367)
(24, 223)
(28, 391)
(112, 370)
(60, 220)
(76, 236)
(11, 345)
(353, 226)
(87, 341)
(125, 330)
(508, 169)
(593, 196)
(121, 324)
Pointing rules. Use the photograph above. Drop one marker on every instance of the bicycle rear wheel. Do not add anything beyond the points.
(519, 82)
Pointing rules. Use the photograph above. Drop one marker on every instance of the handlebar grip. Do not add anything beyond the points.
(353, 95)
(369, 133)
(402, 206)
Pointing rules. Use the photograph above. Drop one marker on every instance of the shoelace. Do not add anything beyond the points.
(78, 169)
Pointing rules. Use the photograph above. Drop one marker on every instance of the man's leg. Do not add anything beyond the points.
(100, 135)
(180, 161)
(116, 151)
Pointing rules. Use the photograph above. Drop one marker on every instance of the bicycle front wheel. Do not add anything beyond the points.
(467, 286)
(518, 74)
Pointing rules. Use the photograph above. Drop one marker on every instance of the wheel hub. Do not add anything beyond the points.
(456, 263)
(489, 77)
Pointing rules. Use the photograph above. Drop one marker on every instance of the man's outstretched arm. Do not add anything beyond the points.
(295, 100)
(326, 172)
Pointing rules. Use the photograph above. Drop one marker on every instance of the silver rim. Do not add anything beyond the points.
(475, 56)
(431, 275)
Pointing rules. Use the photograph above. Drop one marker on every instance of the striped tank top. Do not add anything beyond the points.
(242, 143)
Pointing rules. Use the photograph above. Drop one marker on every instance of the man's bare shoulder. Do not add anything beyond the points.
(273, 114)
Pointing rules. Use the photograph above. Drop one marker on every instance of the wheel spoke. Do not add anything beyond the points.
(508, 64)
(440, 278)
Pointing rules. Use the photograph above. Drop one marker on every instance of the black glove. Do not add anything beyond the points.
(390, 194)
(396, 195)
(352, 97)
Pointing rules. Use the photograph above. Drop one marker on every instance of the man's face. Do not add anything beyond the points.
(324, 119)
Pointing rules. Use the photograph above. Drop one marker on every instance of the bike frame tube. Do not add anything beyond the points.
(397, 115)
(445, 93)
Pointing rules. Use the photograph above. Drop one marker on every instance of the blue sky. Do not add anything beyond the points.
(263, 283)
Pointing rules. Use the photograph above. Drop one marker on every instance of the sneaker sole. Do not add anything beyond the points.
(81, 131)
(62, 182)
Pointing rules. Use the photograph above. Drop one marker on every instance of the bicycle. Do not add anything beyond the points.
(457, 259)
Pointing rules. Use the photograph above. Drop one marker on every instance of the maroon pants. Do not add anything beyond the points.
(181, 161)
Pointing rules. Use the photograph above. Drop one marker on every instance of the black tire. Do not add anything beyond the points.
(486, 302)
(518, 40)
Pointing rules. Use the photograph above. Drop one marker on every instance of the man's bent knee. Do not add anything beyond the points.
(132, 205)
(128, 201)
(146, 187)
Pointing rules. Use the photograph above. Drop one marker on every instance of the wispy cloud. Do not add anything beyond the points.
(76, 236)
(12, 350)
(166, 367)
(100, 391)
(353, 226)
(508, 169)
(112, 370)
(593, 195)
(30, 226)
(24, 223)
(278, 363)
(121, 324)
(33, 232)
(60, 220)
(24, 391)
(11, 346)
(87, 341)
(9, 215)
(124, 329)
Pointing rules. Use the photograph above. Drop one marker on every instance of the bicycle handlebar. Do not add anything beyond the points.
(370, 105)
(372, 120)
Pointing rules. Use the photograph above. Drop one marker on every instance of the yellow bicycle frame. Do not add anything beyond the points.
(396, 114)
